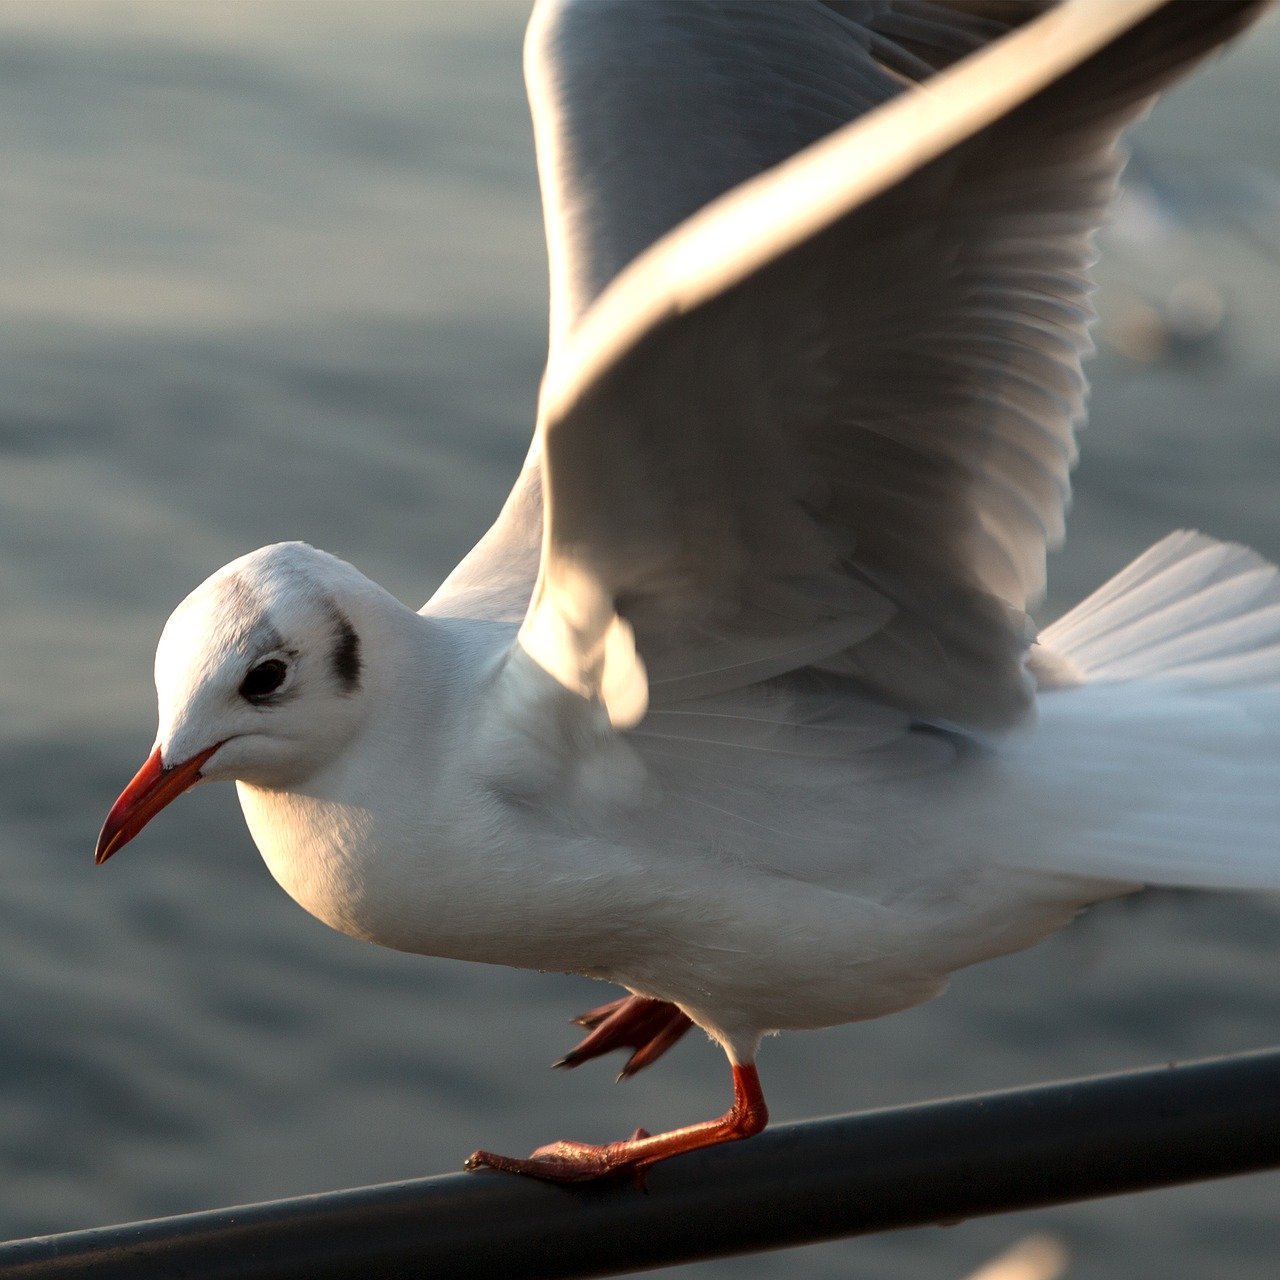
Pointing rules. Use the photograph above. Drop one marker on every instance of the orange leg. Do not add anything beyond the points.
(581, 1161)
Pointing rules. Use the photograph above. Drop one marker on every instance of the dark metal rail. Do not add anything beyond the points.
(796, 1184)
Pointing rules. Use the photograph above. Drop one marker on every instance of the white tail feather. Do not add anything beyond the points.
(1162, 765)
(1190, 609)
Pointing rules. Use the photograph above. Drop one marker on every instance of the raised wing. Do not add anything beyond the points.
(828, 420)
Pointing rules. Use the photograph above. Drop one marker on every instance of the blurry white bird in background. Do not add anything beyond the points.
(738, 704)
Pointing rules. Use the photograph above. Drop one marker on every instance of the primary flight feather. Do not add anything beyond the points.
(738, 704)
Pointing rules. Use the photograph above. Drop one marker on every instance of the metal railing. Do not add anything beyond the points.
(795, 1184)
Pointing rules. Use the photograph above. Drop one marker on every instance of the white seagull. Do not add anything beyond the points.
(738, 704)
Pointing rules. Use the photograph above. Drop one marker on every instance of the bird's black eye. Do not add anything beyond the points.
(263, 680)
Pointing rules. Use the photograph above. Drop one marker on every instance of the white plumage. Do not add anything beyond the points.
(737, 704)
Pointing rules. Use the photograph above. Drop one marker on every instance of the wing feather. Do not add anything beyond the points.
(828, 419)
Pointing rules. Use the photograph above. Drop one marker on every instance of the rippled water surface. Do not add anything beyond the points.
(275, 270)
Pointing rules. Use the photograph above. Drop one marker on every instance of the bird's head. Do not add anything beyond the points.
(260, 675)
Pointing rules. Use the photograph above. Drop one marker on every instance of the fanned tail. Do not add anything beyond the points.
(1191, 610)
(1158, 747)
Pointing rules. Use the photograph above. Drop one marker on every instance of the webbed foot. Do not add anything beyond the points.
(648, 1026)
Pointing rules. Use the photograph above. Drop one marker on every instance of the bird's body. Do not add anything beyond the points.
(789, 855)
(737, 704)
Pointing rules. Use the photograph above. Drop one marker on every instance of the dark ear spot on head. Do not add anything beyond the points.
(346, 654)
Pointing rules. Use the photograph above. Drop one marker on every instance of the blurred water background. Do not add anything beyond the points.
(275, 270)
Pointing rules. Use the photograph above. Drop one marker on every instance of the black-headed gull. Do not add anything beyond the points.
(737, 704)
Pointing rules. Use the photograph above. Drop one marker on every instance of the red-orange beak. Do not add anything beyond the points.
(152, 788)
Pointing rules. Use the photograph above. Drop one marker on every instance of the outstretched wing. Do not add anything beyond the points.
(829, 418)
